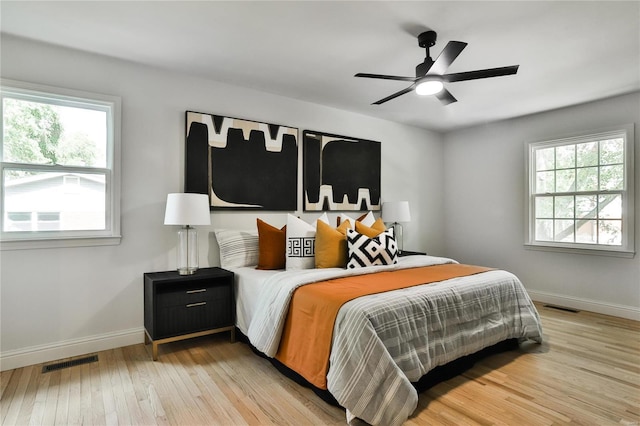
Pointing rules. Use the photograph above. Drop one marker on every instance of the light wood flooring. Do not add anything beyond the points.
(586, 372)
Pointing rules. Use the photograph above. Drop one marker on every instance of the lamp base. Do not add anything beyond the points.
(397, 234)
(187, 271)
(187, 251)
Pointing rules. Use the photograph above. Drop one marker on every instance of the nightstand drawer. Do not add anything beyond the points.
(180, 295)
(190, 318)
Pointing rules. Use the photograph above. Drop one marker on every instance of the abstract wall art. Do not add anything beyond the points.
(340, 173)
(241, 164)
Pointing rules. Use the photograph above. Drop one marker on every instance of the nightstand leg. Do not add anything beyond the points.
(154, 350)
(233, 335)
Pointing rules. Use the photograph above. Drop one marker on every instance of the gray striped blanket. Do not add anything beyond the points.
(383, 342)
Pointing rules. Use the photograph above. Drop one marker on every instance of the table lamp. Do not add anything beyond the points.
(187, 210)
(395, 212)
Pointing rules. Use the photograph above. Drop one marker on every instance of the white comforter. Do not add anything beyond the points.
(377, 353)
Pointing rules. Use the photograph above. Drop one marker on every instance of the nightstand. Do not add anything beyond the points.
(180, 307)
(410, 253)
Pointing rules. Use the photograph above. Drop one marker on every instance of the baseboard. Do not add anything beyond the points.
(69, 348)
(621, 311)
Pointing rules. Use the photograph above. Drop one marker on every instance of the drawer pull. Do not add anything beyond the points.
(191, 305)
(196, 291)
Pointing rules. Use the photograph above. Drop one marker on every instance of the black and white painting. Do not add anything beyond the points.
(241, 164)
(340, 173)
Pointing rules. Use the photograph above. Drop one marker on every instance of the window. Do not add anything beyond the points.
(581, 193)
(59, 167)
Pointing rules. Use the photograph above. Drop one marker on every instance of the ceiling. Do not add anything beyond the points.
(569, 52)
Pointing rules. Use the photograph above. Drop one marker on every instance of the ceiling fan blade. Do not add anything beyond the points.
(447, 56)
(446, 97)
(385, 77)
(473, 75)
(395, 95)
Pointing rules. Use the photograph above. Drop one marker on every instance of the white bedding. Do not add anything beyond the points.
(440, 322)
(277, 290)
(248, 282)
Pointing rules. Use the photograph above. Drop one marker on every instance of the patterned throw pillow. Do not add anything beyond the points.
(301, 240)
(237, 248)
(365, 251)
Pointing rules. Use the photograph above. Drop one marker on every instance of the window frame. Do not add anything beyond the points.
(627, 248)
(67, 97)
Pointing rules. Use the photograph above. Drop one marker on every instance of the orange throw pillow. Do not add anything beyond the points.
(331, 245)
(271, 246)
(371, 231)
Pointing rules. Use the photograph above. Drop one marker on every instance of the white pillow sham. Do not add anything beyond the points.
(368, 220)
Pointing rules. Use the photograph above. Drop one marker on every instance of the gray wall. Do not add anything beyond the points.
(63, 302)
(485, 208)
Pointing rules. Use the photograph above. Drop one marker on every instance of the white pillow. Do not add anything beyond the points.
(323, 217)
(368, 220)
(301, 241)
(237, 248)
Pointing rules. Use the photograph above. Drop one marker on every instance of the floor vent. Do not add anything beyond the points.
(66, 364)
(562, 308)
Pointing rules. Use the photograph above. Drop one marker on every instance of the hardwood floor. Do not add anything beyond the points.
(586, 372)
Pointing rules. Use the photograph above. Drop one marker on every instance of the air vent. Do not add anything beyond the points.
(72, 363)
(562, 308)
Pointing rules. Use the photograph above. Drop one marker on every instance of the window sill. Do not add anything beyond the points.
(574, 250)
(59, 243)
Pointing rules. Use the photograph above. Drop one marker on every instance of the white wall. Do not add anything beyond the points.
(485, 208)
(56, 303)
(62, 302)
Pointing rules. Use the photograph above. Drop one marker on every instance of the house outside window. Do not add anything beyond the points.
(580, 193)
(59, 167)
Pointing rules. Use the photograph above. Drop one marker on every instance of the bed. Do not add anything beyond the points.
(382, 343)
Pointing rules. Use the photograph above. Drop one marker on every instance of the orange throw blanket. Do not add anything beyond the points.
(308, 331)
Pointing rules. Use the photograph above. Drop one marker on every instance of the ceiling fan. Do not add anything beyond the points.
(430, 76)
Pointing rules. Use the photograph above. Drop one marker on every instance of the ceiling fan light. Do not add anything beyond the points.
(429, 86)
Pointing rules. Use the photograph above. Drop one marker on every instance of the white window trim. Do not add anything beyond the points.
(627, 249)
(21, 241)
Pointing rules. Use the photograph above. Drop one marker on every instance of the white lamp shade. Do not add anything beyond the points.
(396, 211)
(187, 209)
